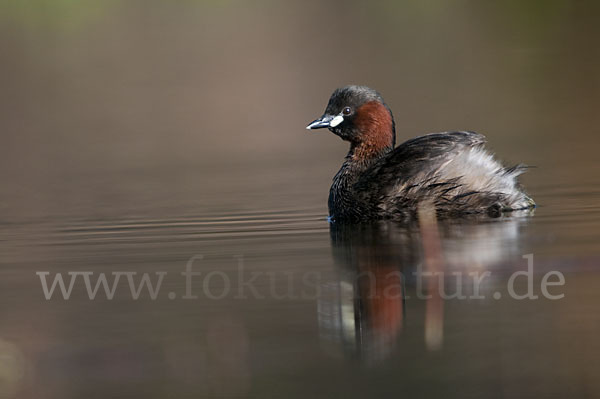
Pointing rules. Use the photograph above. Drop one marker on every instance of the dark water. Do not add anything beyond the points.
(151, 137)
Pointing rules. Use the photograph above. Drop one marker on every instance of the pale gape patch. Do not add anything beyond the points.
(336, 121)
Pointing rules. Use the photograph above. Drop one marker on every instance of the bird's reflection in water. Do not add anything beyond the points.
(362, 310)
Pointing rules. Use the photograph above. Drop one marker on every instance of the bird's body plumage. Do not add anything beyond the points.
(452, 170)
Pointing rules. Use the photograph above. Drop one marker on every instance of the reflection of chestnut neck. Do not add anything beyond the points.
(381, 289)
(376, 126)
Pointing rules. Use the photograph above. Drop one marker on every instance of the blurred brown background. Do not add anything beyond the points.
(104, 101)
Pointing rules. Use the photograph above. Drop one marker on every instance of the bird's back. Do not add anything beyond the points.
(452, 170)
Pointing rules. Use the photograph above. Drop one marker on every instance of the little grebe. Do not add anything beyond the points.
(452, 170)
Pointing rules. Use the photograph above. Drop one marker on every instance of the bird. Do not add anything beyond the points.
(450, 172)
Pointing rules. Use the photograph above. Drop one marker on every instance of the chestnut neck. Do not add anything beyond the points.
(376, 138)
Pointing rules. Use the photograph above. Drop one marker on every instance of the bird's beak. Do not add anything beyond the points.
(325, 121)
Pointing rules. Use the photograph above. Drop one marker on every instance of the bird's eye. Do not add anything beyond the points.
(346, 111)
